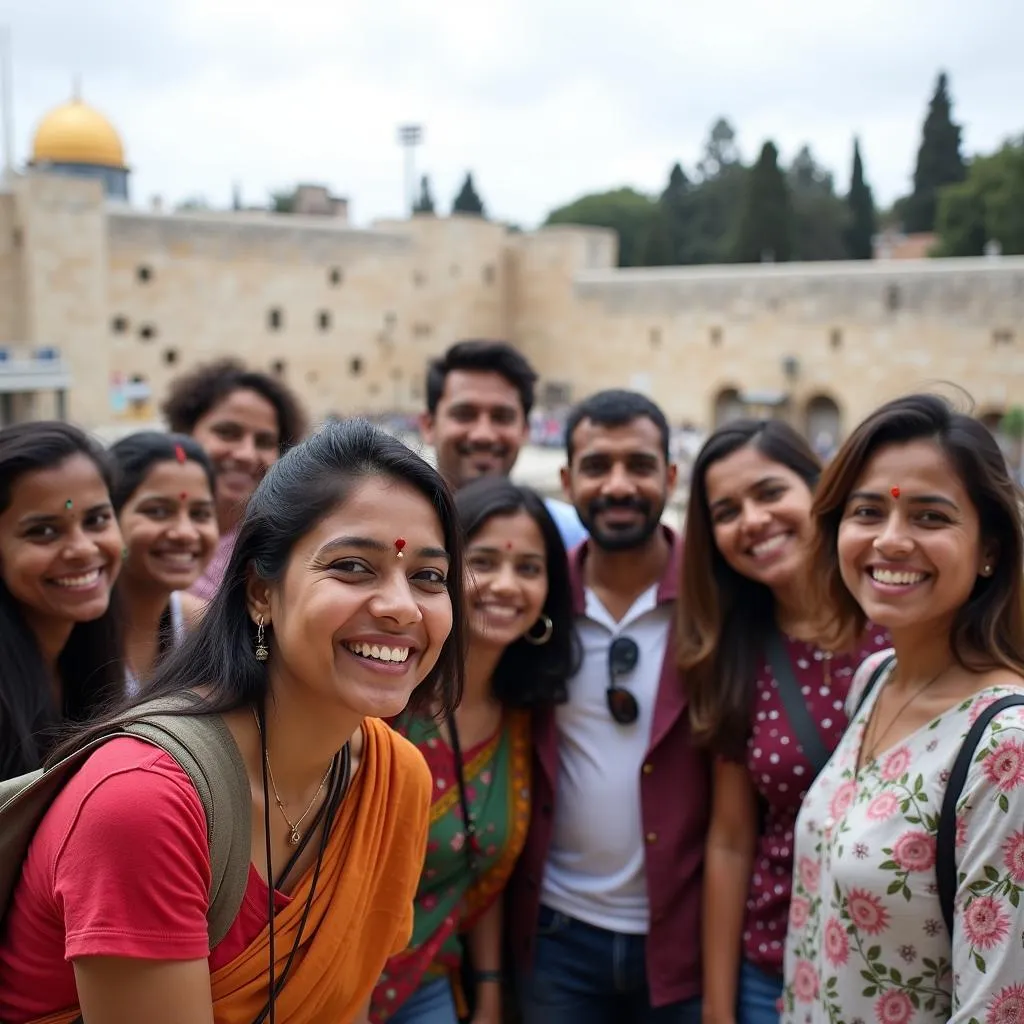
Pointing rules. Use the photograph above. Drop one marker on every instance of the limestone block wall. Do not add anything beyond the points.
(348, 318)
(12, 303)
(854, 333)
(64, 282)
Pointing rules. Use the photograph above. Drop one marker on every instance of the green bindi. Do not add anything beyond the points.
(69, 504)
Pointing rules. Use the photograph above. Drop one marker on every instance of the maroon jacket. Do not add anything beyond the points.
(675, 791)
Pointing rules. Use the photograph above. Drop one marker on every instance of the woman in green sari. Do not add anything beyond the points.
(521, 652)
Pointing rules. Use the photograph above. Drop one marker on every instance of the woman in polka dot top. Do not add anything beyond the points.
(746, 565)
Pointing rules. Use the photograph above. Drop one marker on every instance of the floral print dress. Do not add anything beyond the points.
(866, 938)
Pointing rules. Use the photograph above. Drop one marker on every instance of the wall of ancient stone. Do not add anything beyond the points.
(350, 317)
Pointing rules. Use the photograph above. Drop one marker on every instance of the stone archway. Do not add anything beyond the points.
(729, 406)
(823, 425)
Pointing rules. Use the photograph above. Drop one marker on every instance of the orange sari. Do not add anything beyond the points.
(362, 910)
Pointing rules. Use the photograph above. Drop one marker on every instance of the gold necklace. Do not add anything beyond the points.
(294, 835)
(876, 741)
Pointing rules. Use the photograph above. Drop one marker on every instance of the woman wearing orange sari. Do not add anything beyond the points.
(521, 648)
(335, 610)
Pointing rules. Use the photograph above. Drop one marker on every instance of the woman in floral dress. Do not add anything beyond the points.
(746, 569)
(521, 652)
(920, 531)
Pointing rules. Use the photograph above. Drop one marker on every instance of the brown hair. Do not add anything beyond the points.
(723, 617)
(988, 631)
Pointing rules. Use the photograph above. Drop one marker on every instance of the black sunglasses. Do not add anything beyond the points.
(622, 658)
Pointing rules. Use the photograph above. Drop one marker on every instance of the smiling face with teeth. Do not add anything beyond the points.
(60, 548)
(506, 579)
(911, 560)
(760, 511)
(353, 628)
(169, 527)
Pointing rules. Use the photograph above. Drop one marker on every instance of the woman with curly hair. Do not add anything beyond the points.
(245, 420)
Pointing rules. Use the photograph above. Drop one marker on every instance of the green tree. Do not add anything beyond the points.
(657, 246)
(766, 224)
(467, 201)
(716, 199)
(625, 211)
(862, 225)
(939, 161)
(987, 207)
(425, 202)
(282, 202)
(819, 215)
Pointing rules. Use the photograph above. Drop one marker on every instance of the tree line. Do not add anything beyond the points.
(727, 211)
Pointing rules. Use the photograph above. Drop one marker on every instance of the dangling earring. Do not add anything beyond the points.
(261, 646)
(539, 639)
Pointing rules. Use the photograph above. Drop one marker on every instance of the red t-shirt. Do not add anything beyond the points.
(781, 775)
(119, 866)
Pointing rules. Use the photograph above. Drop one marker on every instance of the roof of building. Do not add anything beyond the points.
(75, 133)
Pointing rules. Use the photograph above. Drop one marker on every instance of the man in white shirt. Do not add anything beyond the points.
(605, 915)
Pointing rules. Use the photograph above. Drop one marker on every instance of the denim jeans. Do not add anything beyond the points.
(585, 974)
(431, 1003)
(759, 993)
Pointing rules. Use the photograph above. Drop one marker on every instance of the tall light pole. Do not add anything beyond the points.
(409, 137)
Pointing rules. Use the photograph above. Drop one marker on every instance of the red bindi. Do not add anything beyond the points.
(183, 496)
(894, 491)
(399, 545)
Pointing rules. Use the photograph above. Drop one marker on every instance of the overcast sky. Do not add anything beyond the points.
(543, 100)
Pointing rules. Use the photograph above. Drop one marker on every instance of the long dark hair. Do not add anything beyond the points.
(988, 631)
(725, 617)
(135, 455)
(299, 490)
(528, 675)
(90, 668)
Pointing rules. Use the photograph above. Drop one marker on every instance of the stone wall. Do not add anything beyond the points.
(350, 317)
(64, 284)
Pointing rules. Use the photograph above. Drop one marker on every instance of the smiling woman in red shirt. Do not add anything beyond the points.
(766, 696)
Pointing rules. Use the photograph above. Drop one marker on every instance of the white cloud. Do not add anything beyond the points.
(543, 101)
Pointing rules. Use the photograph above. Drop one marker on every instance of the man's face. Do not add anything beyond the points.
(619, 481)
(478, 428)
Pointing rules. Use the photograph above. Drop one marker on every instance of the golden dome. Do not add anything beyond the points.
(74, 133)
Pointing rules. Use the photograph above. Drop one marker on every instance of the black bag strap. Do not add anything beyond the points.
(808, 735)
(883, 666)
(945, 839)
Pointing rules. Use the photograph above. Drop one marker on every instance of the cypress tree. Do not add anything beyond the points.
(467, 201)
(938, 161)
(766, 224)
(860, 232)
(425, 202)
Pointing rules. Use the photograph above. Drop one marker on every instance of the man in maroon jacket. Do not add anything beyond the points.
(605, 910)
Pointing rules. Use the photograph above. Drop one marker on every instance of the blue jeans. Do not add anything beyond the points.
(757, 1002)
(431, 1003)
(585, 974)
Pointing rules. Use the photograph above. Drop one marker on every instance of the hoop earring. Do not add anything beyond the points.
(539, 639)
(262, 653)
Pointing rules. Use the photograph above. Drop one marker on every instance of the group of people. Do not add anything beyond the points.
(502, 757)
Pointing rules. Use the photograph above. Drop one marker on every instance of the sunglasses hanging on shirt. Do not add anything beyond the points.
(623, 655)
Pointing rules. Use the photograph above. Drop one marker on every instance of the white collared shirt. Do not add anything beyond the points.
(595, 866)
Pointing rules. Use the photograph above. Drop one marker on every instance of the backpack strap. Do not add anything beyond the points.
(808, 735)
(880, 669)
(206, 751)
(945, 839)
